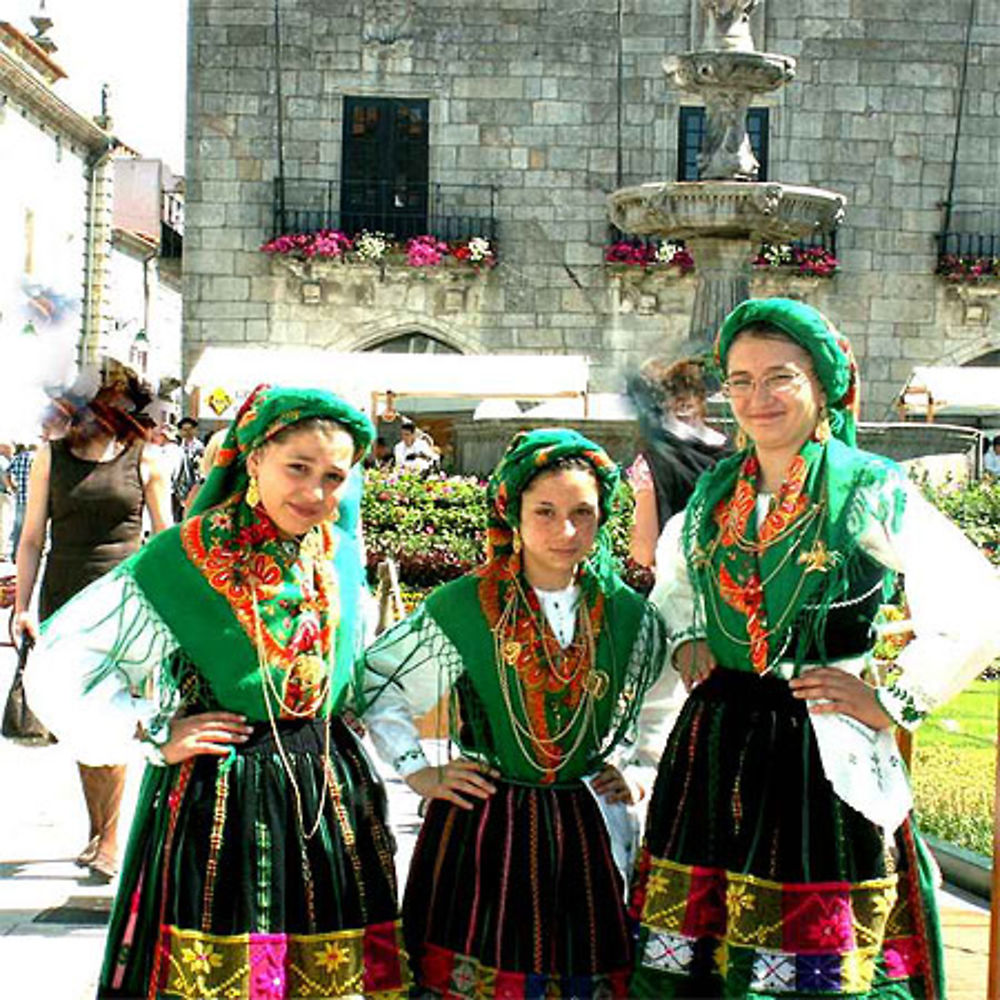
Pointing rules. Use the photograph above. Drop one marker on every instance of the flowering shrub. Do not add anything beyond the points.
(975, 508)
(435, 528)
(968, 269)
(633, 253)
(371, 246)
(815, 261)
(425, 251)
(367, 247)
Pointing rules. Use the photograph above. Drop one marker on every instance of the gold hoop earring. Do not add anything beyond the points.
(741, 439)
(516, 542)
(822, 432)
(253, 493)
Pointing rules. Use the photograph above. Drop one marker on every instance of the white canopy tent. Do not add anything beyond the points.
(597, 406)
(951, 392)
(223, 376)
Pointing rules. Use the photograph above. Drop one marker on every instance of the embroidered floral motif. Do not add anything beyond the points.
(737, 555)
(201, 957)
(240, 554)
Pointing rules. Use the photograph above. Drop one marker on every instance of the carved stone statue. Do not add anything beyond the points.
(727, 24)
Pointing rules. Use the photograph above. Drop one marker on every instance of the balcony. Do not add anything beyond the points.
(968, 247)
(448, 211)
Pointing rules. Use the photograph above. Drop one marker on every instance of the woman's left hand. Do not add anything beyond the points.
(837, 691)
(612, 786)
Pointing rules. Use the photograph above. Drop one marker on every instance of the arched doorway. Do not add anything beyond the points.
(991, 359)
(414, 342)
(433, 416)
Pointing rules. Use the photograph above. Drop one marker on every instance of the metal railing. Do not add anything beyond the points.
(971, 232)
(448, 211)
(821, 240)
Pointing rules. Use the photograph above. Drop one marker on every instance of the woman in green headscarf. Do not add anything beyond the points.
(780, 856)
(259, 863)
(514, 888)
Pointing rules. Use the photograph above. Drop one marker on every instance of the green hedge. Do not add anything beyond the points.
(435, 527)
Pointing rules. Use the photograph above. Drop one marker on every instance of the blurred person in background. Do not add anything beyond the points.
(415, 451)
(188, 472)
(88, 489)
(991, 460)
(677, 446)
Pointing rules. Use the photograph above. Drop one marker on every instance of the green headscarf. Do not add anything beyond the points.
(830, 351)
(267, 411)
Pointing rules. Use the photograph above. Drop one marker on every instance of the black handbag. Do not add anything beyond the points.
(19, 722)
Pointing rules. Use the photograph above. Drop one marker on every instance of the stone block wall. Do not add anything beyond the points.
(557, 102)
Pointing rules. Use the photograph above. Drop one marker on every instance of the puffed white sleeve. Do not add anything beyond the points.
(673, 593)
(953, 593)
(407, 671)
(98, 671)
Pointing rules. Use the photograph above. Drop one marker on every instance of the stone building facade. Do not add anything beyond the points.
(535, 111)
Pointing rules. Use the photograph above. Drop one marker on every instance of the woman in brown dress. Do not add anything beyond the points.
(89, 490)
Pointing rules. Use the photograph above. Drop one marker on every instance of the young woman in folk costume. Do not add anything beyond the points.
(780, 857)
(259, 863)
(514, 888)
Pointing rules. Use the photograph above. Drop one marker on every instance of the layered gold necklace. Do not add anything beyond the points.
(317, 700)
(531, 665)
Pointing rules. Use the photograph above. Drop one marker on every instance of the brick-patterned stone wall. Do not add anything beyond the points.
(527, 95)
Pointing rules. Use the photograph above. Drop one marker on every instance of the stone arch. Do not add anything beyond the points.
(970, 353)
(399, 326)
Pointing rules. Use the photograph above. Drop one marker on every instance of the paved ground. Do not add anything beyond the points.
(52, 918)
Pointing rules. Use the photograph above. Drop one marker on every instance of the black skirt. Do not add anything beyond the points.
(224, 894)
(755, 879)
(518, 897)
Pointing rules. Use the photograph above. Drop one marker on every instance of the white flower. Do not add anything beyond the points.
(776, 254)
(665, 252)
(371, 246)
(479, 249)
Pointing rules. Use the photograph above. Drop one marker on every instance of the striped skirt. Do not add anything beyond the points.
(223, 896)
(756, 880)
(518, 897)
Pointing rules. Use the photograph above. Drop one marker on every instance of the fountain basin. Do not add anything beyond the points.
(747, 73)
(765, 210)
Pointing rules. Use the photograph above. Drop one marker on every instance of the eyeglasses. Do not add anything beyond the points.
(775, 383)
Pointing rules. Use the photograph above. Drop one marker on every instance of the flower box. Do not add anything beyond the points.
(806, 262)
(418, 255)
(969, 270)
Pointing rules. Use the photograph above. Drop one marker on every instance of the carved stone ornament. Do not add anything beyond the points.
(728, 24)
(387, 22)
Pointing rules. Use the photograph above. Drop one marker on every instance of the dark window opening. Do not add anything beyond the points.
(691, 134)
(385, 163)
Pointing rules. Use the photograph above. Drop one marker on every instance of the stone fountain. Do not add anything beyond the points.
(724, 217)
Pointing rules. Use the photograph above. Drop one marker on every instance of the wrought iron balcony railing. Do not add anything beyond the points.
(448, 211)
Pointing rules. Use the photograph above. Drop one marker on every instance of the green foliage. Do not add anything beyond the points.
(434, 526)
(975, 508)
